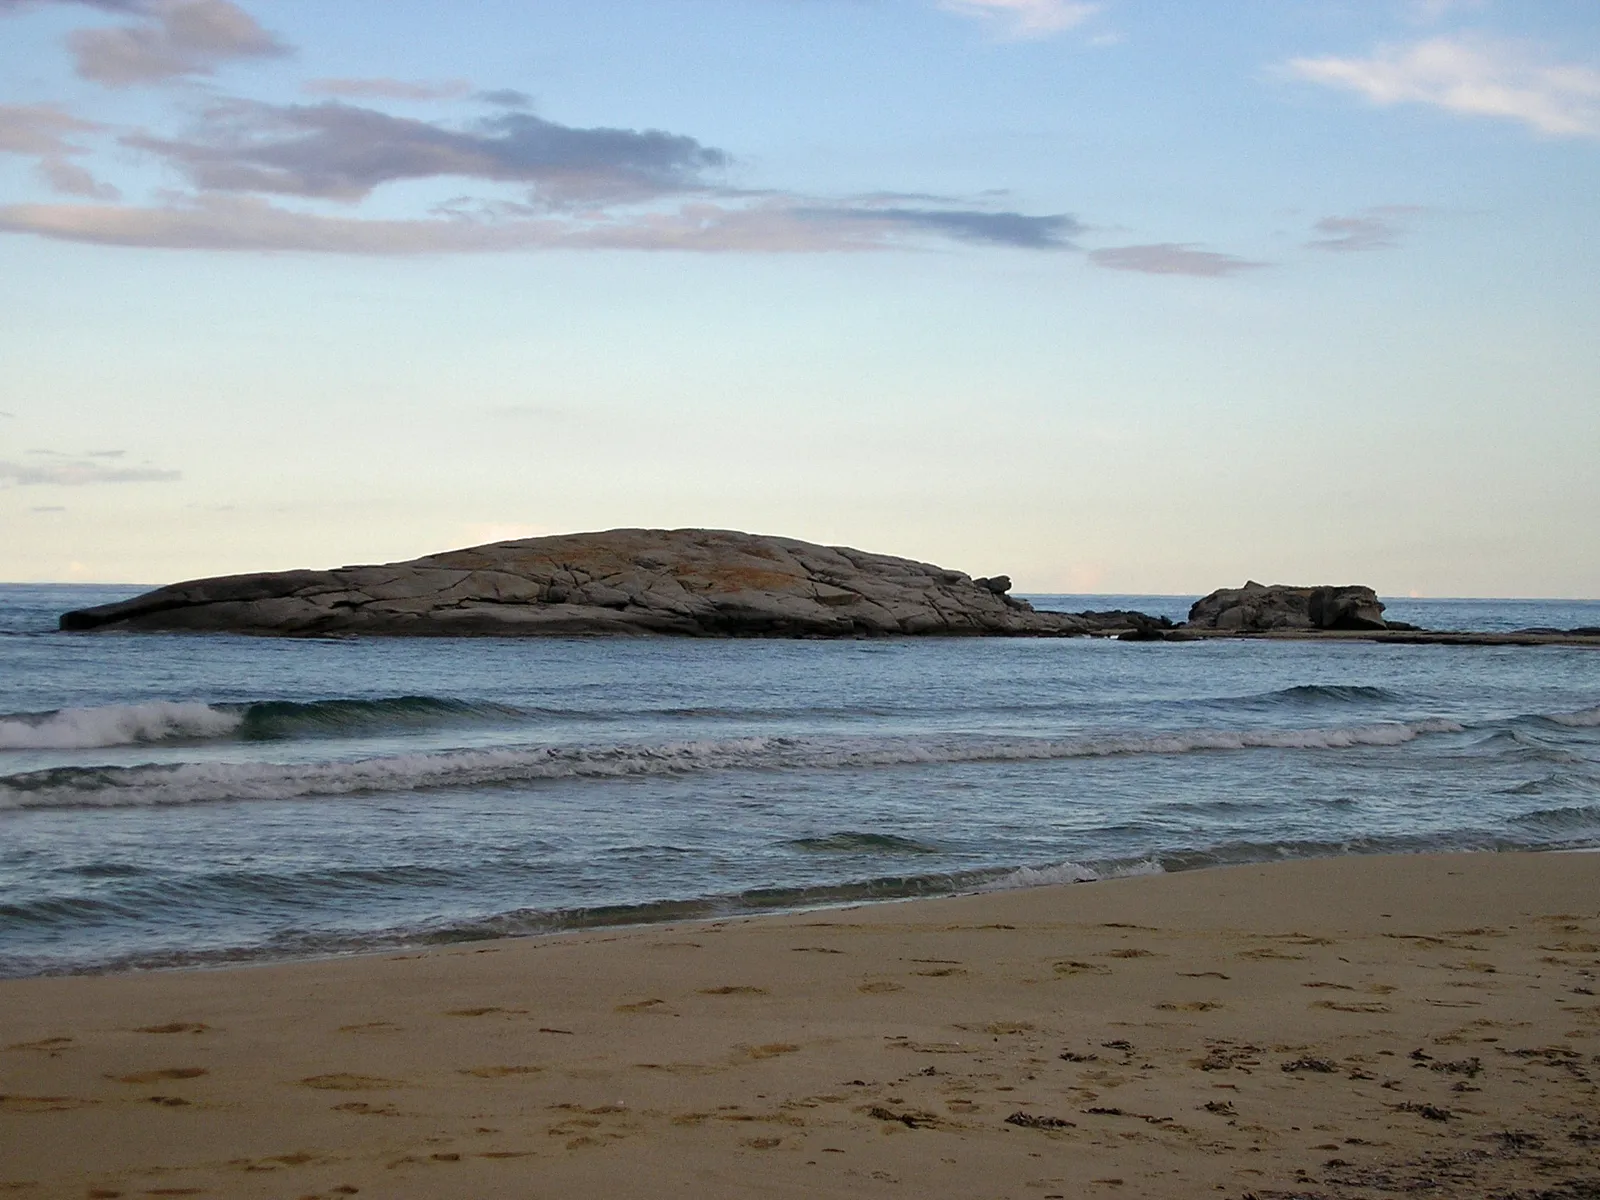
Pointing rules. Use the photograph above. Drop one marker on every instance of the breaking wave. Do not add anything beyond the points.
(1586, 718)
(188, 783)
(168, 720)
(117, 725)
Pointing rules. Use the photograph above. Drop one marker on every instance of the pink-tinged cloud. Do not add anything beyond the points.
(171, 38)
(252, 224)
(1375, 229)
(1171, 258)
(39, 129)
(44, 133)
(1472, 75)
(387, 89)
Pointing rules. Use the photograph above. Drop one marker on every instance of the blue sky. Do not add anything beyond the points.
(1118, 296)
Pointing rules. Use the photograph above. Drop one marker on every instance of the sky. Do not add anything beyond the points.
(1140, 296)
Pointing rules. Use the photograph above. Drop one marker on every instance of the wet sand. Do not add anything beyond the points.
(1353, 1027)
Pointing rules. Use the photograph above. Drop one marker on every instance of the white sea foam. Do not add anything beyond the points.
(1027, 877)
(1070, 872)
(1585, 718)
(199, 782)
(115, 725)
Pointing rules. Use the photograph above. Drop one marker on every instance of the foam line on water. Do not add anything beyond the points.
(188, 783)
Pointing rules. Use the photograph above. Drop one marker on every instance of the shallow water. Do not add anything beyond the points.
(172, 799)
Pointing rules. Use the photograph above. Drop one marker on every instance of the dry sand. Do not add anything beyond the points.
(1346, 1027)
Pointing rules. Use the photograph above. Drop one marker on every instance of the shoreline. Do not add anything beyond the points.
(1229, 1030)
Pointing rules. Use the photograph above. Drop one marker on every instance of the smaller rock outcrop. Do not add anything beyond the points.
(1259, 608)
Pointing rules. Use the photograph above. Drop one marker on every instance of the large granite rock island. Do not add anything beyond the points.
(696, 582)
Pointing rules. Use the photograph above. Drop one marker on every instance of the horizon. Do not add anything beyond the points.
(1119, 297)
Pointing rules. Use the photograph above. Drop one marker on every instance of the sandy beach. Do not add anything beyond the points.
(1343, 1027)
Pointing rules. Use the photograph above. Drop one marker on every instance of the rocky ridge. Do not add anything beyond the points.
(694, 582)
(1258, 608)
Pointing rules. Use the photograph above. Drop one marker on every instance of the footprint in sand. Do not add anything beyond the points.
(639, 1006)
(498, 1072)
(733, 990)
(769, 1050)
(362, 1109)
(53, 1046)
(1190, 1006)
(176, 1027)
(487, 1010)
(1353, 1006)
(679, 1068)
(875, 987)
(1132, 952)
(28, 1104)
(342, 1082)
(158, 1076)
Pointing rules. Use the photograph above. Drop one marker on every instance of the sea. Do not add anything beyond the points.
(193, 800)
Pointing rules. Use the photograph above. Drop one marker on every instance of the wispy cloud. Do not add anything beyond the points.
(343, 151)
(1473, 75)
(506, 98)
(1026, 18)
(45, 133)
(1171, 258)
(171, 38)
(12, 6)
(387, 89)
(582, 188)
(996, 228)
(772, 225)
(79, 472)
(1375, 229)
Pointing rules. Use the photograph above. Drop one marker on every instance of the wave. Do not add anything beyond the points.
(1571, 820)
(1524, 745)
(115, 725)
(852, 842)
(47, 914)
(1309, 694)
(189, 783)
(1587, 718)
(271, 720)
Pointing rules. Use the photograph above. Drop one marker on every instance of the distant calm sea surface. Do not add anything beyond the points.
(170, 799)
